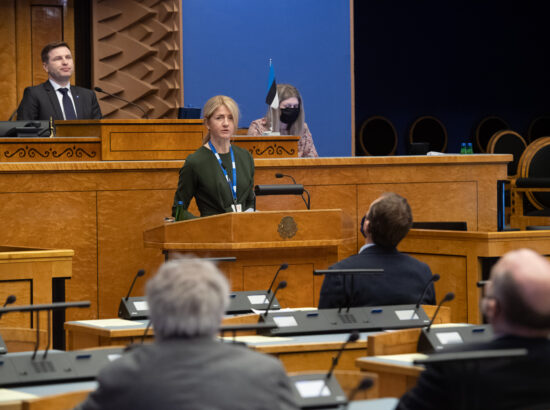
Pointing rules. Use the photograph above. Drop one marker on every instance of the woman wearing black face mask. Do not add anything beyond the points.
(288, 119)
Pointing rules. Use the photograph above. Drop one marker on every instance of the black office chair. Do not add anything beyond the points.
(539, 128)
(532, 184)
(429, 129)
(486, 128)
(377, 137)
(508, 142)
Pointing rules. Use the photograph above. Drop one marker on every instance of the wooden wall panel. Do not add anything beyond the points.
(23, 292)
(55, 219)
(46, 27)
(28, 25)
(8, 68)
(137, 56)
(123, 215)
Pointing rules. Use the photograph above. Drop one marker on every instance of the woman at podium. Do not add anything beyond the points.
(219, 175)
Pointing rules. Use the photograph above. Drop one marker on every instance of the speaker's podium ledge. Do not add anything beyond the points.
(243, 245)
(256, 230)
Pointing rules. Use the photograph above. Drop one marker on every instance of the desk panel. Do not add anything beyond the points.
(297, 353)
(457, 257)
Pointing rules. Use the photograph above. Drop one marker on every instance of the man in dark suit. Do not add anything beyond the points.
(517, 305)
(186, 367)
(387, 221)
(56, 98)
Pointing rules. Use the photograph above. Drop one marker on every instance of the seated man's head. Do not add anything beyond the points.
(517, 298)
(187, 298)
(388, 220)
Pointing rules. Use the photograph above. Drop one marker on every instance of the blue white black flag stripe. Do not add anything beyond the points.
(272, 98)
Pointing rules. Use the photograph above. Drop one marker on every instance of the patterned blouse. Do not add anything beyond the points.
(306, 148)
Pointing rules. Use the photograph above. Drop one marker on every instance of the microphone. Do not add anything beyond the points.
(9, 300)
(139, 274)
(149, 323)
(353, 337)
(434, 278)
(284, 266)
(447, 298)
(281, 285)
(365, 384)
(279, 175)
(308, 202)
(101, 90)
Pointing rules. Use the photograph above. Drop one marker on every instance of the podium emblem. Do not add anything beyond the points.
(287, 227)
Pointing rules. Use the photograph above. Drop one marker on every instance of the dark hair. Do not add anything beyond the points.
(390, 219)
(49, 47)
(515, 308)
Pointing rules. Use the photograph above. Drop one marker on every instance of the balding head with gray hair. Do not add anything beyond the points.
(187, 298)
(517, 299)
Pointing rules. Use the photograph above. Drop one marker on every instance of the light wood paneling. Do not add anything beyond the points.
(46, 27)
(54, 218)
(22, 290)
(456, 256)
(8, 68)
(100, 209)
(27, 26)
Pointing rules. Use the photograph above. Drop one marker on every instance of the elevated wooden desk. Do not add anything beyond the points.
(132, 140)
(101, 208)
(458, 256)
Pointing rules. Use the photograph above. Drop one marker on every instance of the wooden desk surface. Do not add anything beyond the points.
(297, 353)
(396, 373)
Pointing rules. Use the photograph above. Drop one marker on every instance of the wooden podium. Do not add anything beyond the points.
(261, 242)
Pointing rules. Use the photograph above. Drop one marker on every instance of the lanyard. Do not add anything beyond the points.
(232, 185)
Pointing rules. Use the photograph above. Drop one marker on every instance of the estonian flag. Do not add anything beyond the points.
(272, 98)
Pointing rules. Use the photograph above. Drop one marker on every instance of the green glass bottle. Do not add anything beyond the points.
(179, 211)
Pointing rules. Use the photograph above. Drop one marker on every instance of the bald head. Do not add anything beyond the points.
(520, 282)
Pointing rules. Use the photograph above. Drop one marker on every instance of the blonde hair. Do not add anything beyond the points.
(286, 91)
(216, 102)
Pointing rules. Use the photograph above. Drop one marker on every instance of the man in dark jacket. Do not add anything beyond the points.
(387, 221)
(517, 305)
(57, 98)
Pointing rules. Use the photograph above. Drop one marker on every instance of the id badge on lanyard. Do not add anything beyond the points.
(232, 184)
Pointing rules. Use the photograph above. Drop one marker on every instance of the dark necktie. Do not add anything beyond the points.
(67, 105)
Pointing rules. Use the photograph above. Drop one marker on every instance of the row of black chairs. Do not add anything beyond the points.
(378, 136)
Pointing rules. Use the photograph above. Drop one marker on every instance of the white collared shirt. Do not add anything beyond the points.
(60, 96)
(365, 246)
